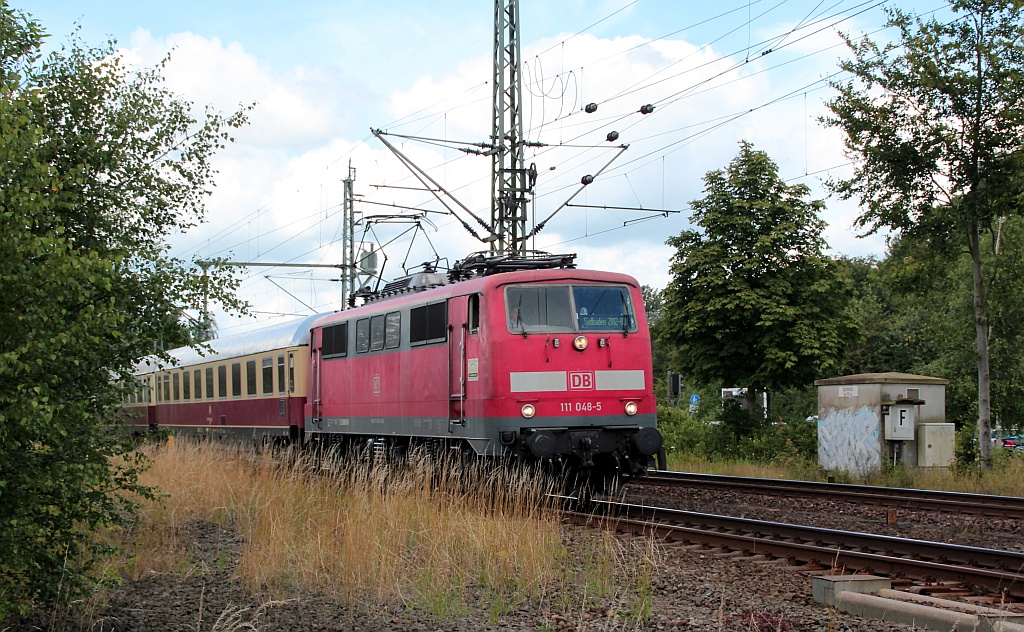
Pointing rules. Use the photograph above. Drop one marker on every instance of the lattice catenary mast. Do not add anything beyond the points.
(510, 181)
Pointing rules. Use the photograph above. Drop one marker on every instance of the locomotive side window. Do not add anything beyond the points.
(393, 330)
(197, 379)
(363, 335)
(186, 390)
(280, 374)
(603, 308)
(209, 382)
(268, 376)
(222, 381)
(474, 313)
(428, 324)
(334, 342)
(250, 378)
(539, 308)
(377, 333)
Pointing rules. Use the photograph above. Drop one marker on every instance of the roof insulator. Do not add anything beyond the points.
(612, 137)
(591, 108)
(646, 109)
(585, 180)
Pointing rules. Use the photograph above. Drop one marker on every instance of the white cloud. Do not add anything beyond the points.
(279, 187)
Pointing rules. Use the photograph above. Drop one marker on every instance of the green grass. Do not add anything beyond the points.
(1005, 477)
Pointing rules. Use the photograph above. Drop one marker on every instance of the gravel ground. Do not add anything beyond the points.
(692, 588)
(994, 533)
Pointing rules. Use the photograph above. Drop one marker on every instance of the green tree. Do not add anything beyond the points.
(753, 301)
(99, 165)
(935, 124)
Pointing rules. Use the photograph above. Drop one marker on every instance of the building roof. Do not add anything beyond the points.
(881, 378)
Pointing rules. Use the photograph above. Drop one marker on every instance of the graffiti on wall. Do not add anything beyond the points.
(848, 440)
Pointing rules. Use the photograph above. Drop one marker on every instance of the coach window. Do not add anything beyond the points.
(176, 386)
(159, 390)
(186, 386)
(280, 374)
(291, 373)
(334, 341)
(363, 335)
(393, 330)
(167, 387)
(474, 313)
(222, 381)
(428, 324)
(377, 333)
(236, 379)
(197, 380)
(268, 376)
(209, 382)
(250, 378)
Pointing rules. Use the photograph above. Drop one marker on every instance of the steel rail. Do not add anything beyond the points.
(995, 570)
(916, 499)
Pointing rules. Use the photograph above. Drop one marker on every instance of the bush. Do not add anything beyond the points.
(965, 452)
(785, 442)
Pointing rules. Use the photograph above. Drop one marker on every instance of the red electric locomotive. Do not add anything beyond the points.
(549, 364)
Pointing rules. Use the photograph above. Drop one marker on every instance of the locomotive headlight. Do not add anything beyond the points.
(630, 408)
(529, 410)
(580, 343)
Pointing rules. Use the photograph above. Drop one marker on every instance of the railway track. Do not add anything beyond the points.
(915, 499)
(999, 572)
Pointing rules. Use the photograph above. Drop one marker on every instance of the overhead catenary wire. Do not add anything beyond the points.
(626, 167)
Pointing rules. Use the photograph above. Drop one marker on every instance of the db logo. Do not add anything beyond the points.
(581, 381)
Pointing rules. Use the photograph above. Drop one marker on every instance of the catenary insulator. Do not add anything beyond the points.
(612, 137)
(646, 109)
(586, 179)
(591, 108)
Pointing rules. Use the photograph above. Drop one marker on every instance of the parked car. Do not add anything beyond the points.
(1013, 442)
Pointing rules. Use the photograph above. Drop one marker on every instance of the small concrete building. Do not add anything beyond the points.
(866, 419)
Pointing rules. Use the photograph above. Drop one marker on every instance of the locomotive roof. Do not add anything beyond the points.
(291, 333)
(389, 303)
(296, 332)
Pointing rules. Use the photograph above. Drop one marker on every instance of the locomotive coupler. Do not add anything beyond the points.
(587, 448)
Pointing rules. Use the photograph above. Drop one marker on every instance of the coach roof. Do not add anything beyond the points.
(293, 333)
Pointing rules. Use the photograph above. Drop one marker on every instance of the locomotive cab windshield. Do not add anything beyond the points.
(567, 309)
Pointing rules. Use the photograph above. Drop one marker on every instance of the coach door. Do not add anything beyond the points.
(457, 331)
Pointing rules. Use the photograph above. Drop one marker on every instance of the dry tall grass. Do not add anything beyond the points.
(420, 533)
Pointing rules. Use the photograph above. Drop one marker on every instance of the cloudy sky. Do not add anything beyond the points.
(322, 74)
